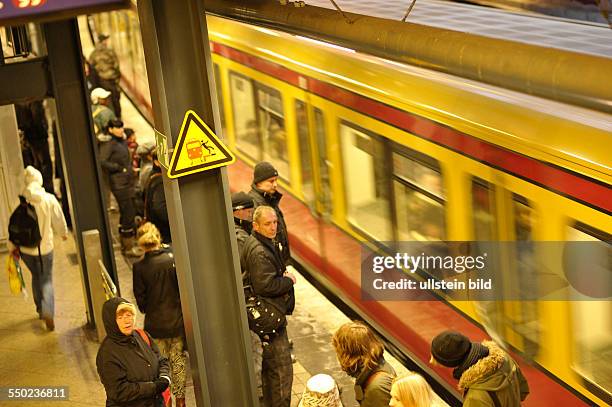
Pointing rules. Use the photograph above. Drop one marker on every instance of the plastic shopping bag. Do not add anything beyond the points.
(16, 282)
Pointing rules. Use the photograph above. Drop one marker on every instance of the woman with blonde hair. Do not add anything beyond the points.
(361, 355)
(411, 390)
(157, 295)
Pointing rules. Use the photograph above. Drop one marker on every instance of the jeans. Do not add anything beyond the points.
(42, 283)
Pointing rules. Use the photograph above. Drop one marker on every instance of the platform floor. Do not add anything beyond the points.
(32, 356)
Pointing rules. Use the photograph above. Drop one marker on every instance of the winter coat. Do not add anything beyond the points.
(155, 209)
(48, 211)
(157, 294)
(263, 198)
(373, 387)
(116, 162)
(496, 373)
(105, 63)
(127, 365)
(265, 269)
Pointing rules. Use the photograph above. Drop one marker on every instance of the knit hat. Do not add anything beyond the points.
(263, 171)
(450, 348)
(241, 200)
(115, 123)
(321, 391)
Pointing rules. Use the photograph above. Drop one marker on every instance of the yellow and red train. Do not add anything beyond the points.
(372, 150)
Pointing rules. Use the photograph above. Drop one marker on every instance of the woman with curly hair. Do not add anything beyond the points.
(361, 355)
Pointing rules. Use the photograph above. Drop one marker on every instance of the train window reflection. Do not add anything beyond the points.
(219, 95)
(325, 196)
(483, 210)
(245, 119)
(301, 117)
(366, 188)
(592, 319)
(259, 122)
(419, 199)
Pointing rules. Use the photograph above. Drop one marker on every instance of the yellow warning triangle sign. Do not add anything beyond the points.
(197, 149)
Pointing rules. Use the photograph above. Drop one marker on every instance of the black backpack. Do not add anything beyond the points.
(23, 225)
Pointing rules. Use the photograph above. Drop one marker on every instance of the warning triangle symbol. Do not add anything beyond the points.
(198, 149)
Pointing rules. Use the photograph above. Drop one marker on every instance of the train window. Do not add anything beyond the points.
(523, 218)
(272, 125)
(419, 197)
(483, 210)
(301, 116)
(326, 198)
(219, 95)
(592, 318)
(259, 122)
(366, 187)
(248, 136)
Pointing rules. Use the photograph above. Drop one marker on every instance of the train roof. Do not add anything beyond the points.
(576, 36)
(562, 134)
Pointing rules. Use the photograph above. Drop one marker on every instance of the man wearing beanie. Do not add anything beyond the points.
(264, 192)
(487, 375)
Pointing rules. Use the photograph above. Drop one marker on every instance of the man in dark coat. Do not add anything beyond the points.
(133, 372)
(264, 191)
(487, 375)
(266, 268)
(155, 209)
(242, 207)
(116, 162)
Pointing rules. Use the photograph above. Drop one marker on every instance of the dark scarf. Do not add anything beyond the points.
(271, 198)
(246, 225)
(272, 245)
(477, 352)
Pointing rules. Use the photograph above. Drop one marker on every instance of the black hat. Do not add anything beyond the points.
(102, 36)
(115, 123)
(263, 171)
(450, 348)
(241, 200)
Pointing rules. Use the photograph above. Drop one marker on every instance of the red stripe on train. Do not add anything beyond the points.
(533, 170)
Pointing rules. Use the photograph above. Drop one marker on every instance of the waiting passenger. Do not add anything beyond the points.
(133, 372)
(115, 161)
(103, 60)
(155, 209)
(361, 355)
(321, 391)
(264, 191)
(157, 295)
(270, 281)
(242, 207)
(101, 112)
(487, 375)
(411, 390)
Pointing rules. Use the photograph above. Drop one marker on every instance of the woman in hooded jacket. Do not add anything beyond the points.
(133, 372)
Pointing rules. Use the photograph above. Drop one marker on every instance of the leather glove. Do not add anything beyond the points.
(161, 385)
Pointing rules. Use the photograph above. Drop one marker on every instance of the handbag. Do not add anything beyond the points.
(16, 282)
(265, 319)
(166, 393)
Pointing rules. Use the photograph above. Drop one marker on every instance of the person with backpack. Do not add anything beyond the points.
(487, 375)
(32, 227)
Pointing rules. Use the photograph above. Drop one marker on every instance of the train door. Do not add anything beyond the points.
(314, 164)
(500, 215)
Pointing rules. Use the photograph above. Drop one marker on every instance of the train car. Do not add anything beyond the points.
(370, 151)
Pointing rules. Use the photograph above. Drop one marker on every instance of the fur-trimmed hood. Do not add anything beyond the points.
(491, 373)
